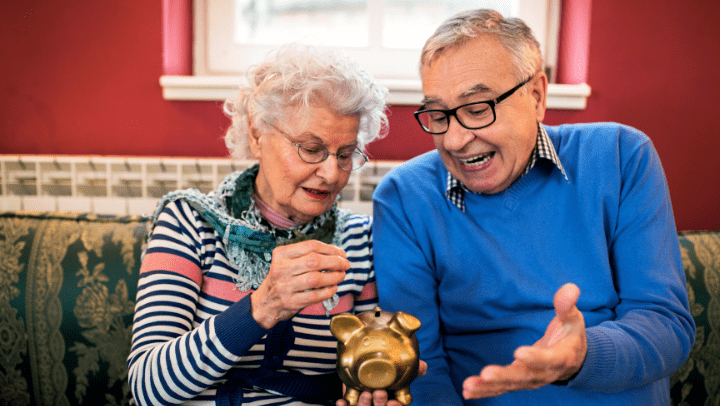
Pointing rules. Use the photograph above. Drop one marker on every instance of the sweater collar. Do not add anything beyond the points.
(544, 148)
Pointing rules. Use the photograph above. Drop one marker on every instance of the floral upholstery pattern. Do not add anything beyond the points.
(697, 382)
(67, 296)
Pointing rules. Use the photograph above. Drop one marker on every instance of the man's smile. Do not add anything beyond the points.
(478, 159)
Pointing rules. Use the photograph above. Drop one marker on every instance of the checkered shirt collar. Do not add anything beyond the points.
(455, 190)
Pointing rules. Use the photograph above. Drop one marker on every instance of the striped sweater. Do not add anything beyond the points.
(192, 325)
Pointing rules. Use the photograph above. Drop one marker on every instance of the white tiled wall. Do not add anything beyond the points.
(133, 185)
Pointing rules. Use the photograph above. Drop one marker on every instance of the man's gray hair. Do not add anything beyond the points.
(299, 77)
(512, 33)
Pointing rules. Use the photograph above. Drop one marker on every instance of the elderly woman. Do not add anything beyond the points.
(237, 287)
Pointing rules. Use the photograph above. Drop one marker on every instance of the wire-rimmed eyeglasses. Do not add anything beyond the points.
(472, 116)
(315, 152)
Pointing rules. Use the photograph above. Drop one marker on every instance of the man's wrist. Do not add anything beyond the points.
(564, 382)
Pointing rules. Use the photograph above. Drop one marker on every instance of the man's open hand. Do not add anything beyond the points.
(558, 355)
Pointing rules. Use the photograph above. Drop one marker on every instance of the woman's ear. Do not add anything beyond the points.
(254, 140)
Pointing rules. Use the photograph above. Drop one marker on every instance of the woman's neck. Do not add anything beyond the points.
(275, 218)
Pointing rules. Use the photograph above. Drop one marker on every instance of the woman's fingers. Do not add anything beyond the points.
(326, 276)
(301, 275)
(308, 256)
(305, 247)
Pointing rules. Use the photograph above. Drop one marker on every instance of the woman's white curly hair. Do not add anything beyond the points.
(300, 76)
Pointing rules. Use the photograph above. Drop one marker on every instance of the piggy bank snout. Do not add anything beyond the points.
(376, 373)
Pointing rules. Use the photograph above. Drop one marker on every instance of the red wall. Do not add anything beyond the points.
(81, 77)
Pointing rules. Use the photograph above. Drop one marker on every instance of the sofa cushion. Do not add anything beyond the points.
(67, 295)
(697, 382)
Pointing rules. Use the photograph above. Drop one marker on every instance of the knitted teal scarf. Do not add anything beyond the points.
(249, 239)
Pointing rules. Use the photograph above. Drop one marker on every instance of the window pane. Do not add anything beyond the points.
(384, 36)
(274, 22)
(408, 24)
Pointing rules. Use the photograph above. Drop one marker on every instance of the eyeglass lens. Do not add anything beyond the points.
(313, 153)
(472, 116)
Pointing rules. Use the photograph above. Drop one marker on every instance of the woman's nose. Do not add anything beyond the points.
(329, 169)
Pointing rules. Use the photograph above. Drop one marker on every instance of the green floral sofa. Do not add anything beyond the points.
(67, 294)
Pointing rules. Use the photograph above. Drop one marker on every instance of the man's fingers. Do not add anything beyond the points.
(422, 369)
(495, 380)
(545, 365)
(476, 387)
(513, 375)
(558, 353)
(365, 399)
(380, 398)
(565, 300)
(536, 357)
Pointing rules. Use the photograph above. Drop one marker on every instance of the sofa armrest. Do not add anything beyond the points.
(697, 382)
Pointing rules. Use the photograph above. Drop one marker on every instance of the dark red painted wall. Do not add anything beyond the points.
(653, 65)
(81, 77)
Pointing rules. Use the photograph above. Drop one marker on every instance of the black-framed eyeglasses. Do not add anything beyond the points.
(472, 116)
(315, 152)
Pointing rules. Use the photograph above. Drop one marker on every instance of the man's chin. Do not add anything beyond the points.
(487, 188)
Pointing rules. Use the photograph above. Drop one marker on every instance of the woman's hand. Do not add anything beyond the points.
(301, 274)
(379, 397)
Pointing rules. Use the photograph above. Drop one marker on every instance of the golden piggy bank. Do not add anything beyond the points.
(376, 350)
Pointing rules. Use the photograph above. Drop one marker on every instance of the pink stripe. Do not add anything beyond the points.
(223, 290)
(369, 292)
(346, 303)
(159, 261)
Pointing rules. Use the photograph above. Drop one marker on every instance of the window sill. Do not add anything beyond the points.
(402, 92)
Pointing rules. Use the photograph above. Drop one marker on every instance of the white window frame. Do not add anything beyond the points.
(218, 63)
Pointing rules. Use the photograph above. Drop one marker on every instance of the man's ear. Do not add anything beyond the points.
(254, 140)
(538, 90)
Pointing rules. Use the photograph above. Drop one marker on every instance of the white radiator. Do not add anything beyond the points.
(133, 185)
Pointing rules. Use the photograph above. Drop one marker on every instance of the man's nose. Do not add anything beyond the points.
(457, 136)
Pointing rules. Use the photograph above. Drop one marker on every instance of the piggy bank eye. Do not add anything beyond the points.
(366, 341)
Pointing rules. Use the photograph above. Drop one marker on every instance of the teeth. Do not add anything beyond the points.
(478, 160)
(316, 192)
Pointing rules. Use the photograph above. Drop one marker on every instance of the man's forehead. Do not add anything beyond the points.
(479, 90)
(479, 68)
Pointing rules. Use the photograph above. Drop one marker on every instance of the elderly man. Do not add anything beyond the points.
(542, 261)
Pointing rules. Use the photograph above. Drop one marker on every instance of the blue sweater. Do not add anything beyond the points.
(482, 281)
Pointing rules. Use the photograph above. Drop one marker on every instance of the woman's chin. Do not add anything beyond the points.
(309, 212)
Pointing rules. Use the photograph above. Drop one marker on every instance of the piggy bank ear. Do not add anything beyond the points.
(405, 323)
(344, 325)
